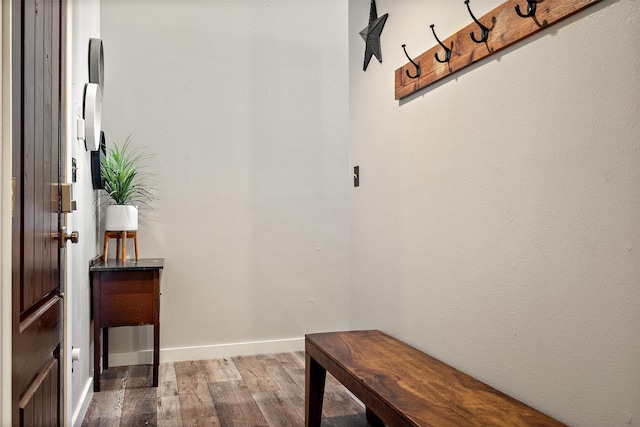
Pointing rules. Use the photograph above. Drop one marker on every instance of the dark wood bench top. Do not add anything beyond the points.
(402, 386)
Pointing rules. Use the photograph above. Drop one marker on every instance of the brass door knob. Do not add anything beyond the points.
(73, 236)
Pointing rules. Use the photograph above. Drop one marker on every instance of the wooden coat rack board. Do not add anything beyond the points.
(505, 28)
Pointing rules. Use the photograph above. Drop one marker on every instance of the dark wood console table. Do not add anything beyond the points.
(125, 294)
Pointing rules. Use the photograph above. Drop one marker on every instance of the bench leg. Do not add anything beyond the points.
(315, 376)
(373, 419)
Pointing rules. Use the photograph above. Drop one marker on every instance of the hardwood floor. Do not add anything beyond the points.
(264, 390)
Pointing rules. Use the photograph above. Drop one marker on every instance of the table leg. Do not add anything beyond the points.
(97, 315)
(96, 356)
(105, 349)
(315, 376)
(156, 353)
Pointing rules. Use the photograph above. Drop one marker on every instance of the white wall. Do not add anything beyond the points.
(244, 105)
(497, 221)
(83, 21)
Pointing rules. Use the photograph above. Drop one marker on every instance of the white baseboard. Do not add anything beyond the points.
(213, 351)
(85, 399)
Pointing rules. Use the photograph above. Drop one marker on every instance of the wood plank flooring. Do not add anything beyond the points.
(263, 390)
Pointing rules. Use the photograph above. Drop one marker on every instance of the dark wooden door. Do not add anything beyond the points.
(37, 66)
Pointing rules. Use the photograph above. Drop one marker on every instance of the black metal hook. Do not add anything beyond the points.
(414, 64)
(447, 51)
(485, 30)
(531, 9)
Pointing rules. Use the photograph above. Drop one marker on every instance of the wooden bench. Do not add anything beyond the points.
(402, 386)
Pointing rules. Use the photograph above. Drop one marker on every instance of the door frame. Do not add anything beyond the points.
(5, 224)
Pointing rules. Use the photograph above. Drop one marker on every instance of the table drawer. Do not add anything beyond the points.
(128, 299)
(127, 310)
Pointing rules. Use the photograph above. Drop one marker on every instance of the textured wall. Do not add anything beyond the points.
(497, 221)
(244, 105)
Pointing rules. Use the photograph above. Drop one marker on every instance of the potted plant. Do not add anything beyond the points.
(127, 184)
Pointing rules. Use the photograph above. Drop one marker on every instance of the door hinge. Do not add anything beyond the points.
(13, 197)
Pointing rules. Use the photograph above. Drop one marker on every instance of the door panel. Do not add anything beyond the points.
(39, 336)
(38, 397)
(38, 56)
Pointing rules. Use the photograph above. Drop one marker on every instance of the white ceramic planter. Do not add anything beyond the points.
(121, 218)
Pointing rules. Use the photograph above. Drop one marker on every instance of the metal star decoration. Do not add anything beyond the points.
(371, 35)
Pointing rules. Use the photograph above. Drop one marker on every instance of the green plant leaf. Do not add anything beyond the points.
(125, 179)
